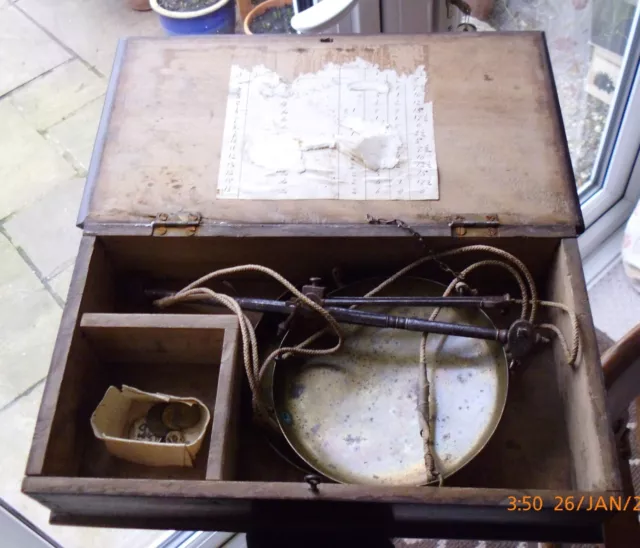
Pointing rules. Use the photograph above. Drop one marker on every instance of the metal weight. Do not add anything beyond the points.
(179, 416)
(175, 436)
(154, 420)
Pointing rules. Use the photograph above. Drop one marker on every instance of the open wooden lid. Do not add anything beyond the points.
(499, 137)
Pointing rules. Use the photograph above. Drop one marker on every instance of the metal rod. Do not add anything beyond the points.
(449, 302)
(499, 301)
(409, 323)
(360, 317)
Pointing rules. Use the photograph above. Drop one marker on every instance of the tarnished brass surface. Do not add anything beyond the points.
(179, 415)
(353, 416)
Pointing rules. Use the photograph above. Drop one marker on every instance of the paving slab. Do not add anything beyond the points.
(91, 28)
(56, 95)
(46, 231)
(25, 50)
(29, 164)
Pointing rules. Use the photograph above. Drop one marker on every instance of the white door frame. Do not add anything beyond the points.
(616, 175)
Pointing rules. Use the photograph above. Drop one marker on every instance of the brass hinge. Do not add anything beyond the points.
(175, 224)
(475, 226)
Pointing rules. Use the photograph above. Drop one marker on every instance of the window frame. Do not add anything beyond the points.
(616, 175)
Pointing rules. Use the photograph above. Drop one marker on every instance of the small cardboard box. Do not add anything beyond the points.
(117, 411)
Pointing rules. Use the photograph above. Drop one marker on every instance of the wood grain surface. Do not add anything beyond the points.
(500, 141)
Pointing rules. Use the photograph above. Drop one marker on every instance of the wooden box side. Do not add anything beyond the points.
(130, 337)
(582, 387)
(222, 459)
(244, 506)
(90, 256)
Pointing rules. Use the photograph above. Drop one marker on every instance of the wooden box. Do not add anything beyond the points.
(150, 214)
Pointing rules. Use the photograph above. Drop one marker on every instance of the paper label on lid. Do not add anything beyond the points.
(348, 132)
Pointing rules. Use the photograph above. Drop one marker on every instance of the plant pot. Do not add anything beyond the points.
(139, 5)
(244, 7)
(220, 18)
(260, 9)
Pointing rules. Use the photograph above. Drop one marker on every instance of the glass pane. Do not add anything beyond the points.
(587, 41)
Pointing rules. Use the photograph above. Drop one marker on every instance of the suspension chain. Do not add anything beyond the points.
(413, 232)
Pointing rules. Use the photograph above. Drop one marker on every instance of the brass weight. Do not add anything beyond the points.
(165, 418)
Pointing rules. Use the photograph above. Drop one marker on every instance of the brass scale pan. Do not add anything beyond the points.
(352, 415)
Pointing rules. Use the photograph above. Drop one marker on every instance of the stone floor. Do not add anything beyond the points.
(55, 58)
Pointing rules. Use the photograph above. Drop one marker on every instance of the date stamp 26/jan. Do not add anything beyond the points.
(570, 503)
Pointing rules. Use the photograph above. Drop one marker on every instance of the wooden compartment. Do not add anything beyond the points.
(179, 355)
(152, 217)
(553, 438)
(184, 356)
